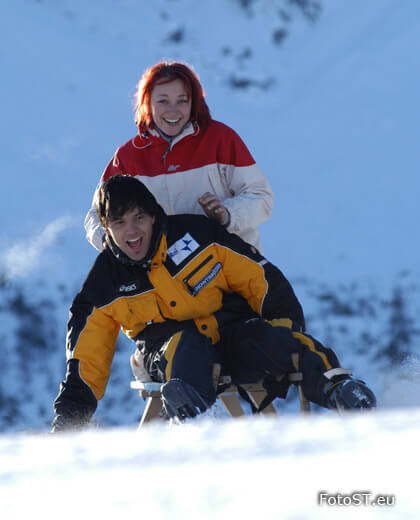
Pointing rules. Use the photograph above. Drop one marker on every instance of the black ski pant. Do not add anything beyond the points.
(249, 351)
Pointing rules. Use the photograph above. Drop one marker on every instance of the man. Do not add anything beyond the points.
(189, 294)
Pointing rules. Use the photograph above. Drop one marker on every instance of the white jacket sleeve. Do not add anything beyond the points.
(252, 199)
(94, 230)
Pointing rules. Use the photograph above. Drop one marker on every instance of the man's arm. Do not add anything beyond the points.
(75, 403)
(257, 280)
(91, 338)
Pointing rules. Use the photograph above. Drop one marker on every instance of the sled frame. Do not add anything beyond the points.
(151, 392)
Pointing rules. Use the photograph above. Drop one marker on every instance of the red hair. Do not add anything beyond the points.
(165, 72)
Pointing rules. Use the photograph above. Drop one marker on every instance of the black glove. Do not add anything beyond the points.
(66, 424)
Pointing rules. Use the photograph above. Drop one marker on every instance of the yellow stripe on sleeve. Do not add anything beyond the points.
(305, 340)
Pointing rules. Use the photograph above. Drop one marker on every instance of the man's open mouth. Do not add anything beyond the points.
(135, 243)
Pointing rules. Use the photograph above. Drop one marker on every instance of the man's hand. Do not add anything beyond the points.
(214, 209)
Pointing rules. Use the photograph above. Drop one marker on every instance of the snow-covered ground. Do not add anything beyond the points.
(283, 468)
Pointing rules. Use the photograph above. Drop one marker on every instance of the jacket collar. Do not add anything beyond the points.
(151, 136)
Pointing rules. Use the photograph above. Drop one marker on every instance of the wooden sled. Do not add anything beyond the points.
(228, 397)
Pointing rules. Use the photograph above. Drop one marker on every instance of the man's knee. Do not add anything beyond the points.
(258, 349)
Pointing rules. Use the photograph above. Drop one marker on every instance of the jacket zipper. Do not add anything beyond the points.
(203, 263)
(165, 154)
(190, 289)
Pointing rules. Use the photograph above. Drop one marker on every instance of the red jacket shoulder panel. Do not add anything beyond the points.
(149, 155)
(231, 149)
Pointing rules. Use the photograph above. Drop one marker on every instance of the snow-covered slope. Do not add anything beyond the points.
(244, 468)
(325, 99)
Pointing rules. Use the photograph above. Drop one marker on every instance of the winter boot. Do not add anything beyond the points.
(349, 394)
(181, 401)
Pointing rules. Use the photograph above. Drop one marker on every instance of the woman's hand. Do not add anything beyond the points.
(214, 209)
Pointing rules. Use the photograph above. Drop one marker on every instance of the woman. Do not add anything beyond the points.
(189, 161)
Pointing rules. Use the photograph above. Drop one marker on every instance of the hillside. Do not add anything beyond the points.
(325, 96)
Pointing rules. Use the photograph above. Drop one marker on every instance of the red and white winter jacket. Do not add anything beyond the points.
(214, 160)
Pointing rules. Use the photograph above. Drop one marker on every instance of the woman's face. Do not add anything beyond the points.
(171, 106)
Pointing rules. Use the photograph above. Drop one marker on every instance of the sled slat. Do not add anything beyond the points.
(229, 399)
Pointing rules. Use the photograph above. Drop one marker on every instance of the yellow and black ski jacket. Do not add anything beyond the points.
(198, 274)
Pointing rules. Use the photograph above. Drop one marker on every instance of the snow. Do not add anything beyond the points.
(333, 120)
(245, 468)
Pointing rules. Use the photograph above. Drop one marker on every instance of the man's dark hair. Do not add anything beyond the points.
(123, 193)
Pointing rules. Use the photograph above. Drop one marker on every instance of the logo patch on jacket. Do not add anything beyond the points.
(128, 288)
(182, 248)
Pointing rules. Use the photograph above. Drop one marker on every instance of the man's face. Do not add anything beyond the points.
(132, 233)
